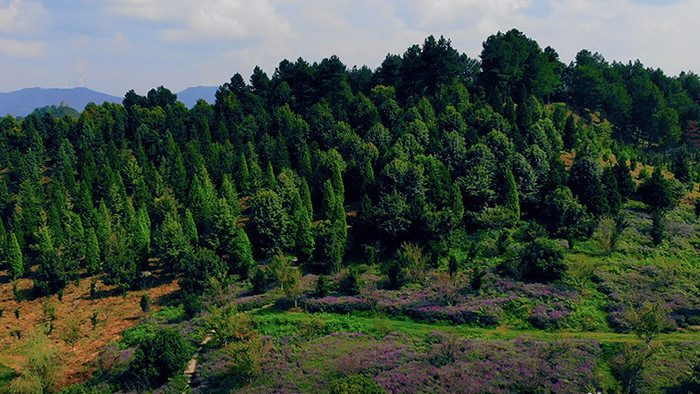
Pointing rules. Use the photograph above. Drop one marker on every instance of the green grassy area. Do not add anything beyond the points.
(279, 323)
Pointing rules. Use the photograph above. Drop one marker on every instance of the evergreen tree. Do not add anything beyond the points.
(228, 192)
(172, 243)
(328, 202)
(585, 184)
(611, 191)
(3, 240)
(92, 253)
(15, 261)
(625, 184)
(190, 228)
(243, 175)
(270, 181)
(51, 273)
(306, 197)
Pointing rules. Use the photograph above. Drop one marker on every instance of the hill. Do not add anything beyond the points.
(439, 223)
(23, 102)
(190, 96)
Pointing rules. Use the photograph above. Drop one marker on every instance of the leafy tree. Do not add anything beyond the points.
(160, 358)
(565, 217)
(269, 223)
(542, 261)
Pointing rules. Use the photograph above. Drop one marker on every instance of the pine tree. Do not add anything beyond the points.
(228, 192)
(270, 181)
(240, 252)
(190, 228)
(328, 201)
(14, 258)
(337, 181)
(301, 222)
(51, 274)
(243, 175)
(92, 253)
(611, 191)
(306, 197)
(457, 205)
(3, 240)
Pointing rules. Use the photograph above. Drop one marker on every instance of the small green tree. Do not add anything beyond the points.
(160, 358)
(542, 261)
(14, 258)
(229, 325)
(649, 321)
(92, 253)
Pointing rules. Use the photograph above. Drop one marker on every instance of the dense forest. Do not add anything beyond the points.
(477, 179)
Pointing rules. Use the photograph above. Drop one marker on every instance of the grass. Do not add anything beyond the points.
(278, 323)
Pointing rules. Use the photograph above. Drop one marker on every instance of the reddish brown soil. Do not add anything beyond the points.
(115, 313)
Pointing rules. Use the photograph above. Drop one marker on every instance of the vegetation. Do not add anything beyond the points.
(438, 216)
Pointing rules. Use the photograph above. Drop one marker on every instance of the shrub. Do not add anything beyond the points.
(160, 358)
(542, 261)
(355, 384)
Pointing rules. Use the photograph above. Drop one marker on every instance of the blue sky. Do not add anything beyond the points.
(117, 45)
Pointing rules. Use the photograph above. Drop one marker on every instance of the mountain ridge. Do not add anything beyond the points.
(22, 102)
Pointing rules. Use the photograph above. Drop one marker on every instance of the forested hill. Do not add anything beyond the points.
(480, 169)
(328, 163)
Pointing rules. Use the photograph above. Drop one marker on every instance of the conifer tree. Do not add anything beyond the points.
(337, 181)
(228, 192)
(306, 197)
(243, 175)
(51, 274)
(270, 181)
(190, 228)
(3, 240)
(611, 191)
(15, 260)
(92, 253)
(301, 222)
(172, 243)
(328, 201)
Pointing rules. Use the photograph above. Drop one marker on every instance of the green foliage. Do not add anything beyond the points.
(161, 357)
(542, 261)
(14, 258)
(355, 384)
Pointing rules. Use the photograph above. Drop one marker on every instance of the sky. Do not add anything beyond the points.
(116, 45)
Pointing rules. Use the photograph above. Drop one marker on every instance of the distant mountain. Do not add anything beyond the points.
(190, 96)
(23, 102)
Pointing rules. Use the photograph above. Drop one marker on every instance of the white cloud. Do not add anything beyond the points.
(219, 19)
(22, 49)
(18, 16)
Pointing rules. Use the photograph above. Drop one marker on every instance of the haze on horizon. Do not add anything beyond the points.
(116, 45)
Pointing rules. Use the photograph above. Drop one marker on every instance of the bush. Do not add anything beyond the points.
(542, 261)
(160, 358)
(355, 384)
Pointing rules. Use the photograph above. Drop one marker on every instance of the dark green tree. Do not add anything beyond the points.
(542, 261)
(161, 357)
(92, 253)
(15, 260)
